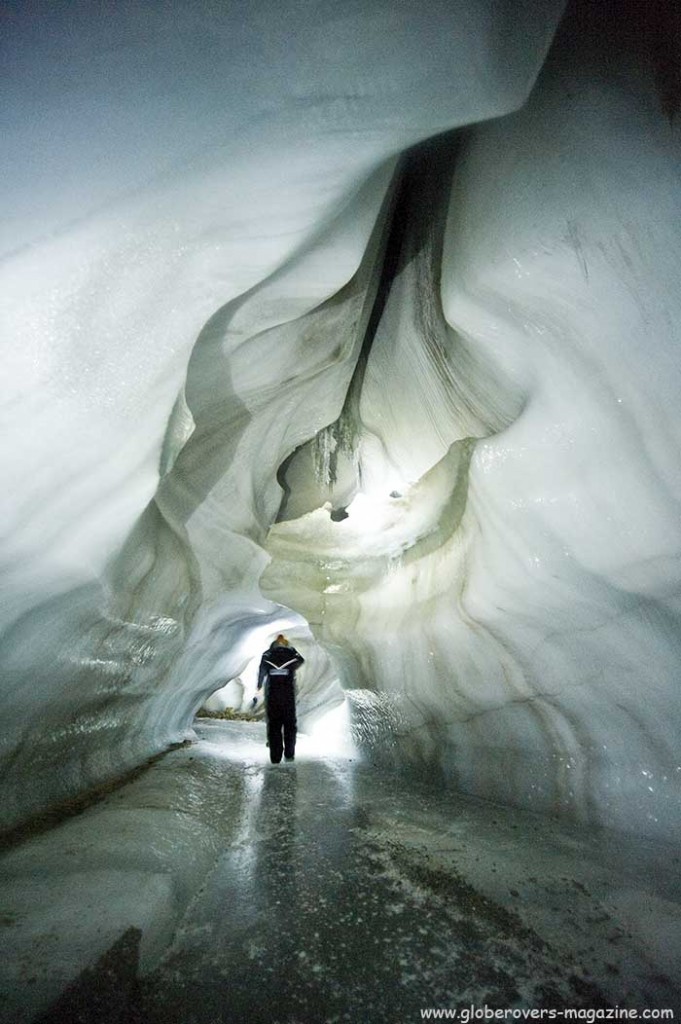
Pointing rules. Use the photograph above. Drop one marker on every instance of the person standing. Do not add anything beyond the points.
(278, 675)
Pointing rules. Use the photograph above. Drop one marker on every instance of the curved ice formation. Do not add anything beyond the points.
(241, 288)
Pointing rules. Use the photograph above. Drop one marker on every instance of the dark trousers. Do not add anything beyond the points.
(278, 722)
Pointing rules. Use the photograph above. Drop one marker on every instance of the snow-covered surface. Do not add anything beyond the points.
(326, 887)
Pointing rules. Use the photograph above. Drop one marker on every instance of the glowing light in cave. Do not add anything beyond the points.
(373, 511)
(330, 736)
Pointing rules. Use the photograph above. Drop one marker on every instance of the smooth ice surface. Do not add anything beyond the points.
(358, 322)
(195, 206)
(284, 349)
(506, 581)
(326, 890)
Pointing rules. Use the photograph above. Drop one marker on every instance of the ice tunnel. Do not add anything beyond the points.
(360, 320)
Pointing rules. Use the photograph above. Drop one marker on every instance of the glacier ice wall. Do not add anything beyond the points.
(507, 577)
(221, 279)
(183, 184)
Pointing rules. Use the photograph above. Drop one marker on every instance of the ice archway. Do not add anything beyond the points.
(229, 298)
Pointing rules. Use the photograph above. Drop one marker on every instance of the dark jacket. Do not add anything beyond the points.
(278, 670)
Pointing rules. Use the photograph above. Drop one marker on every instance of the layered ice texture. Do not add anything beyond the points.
(362, 322)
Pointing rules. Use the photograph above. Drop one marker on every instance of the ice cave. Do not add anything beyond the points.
(357, 320)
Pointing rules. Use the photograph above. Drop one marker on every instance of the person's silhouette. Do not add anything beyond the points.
(278, 675)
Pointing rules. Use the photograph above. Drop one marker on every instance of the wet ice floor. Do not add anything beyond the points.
(341, 894)
(347, 898)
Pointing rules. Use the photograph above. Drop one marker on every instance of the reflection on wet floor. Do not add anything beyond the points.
(217, 888)
(348, 897)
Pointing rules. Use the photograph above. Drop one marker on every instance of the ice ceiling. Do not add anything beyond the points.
(360, 320)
